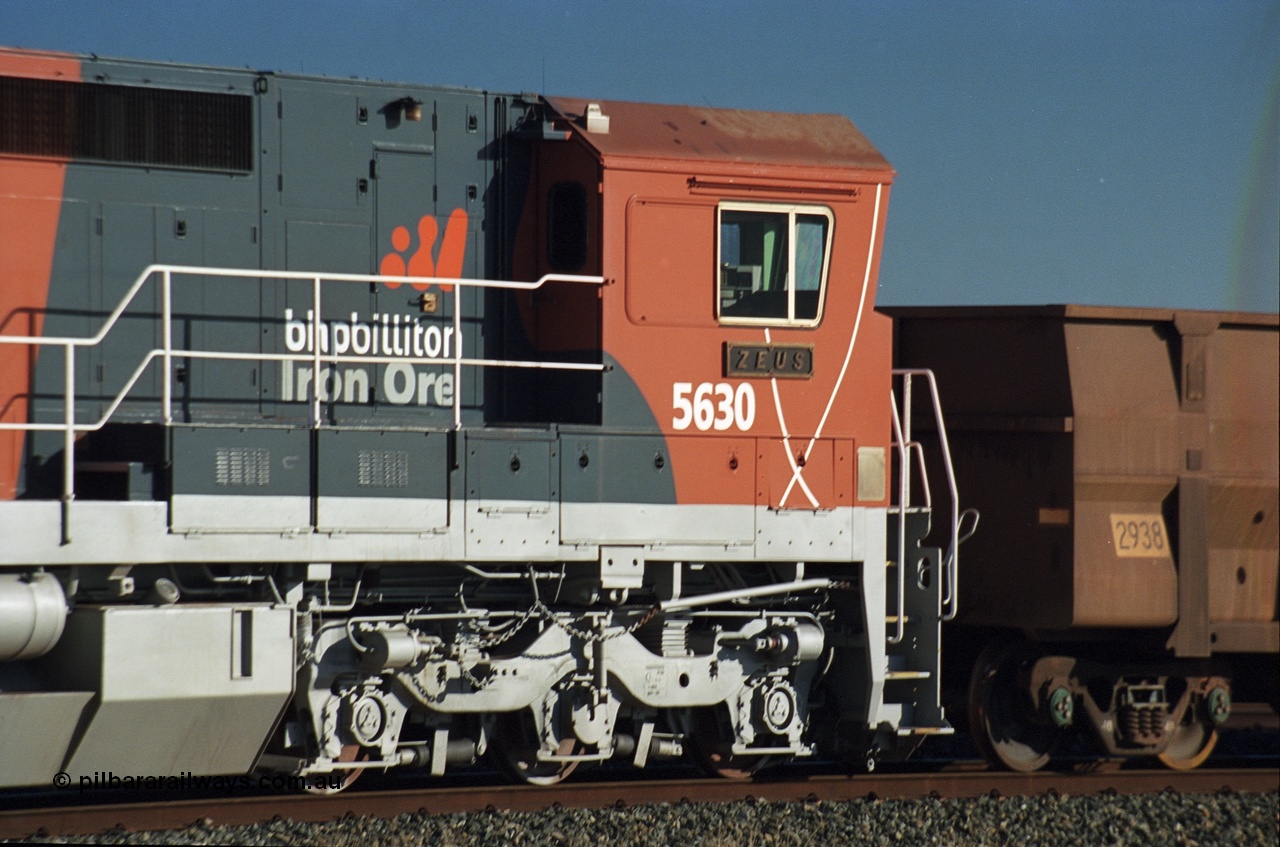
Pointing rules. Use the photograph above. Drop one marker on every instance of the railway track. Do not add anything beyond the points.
(966, 780)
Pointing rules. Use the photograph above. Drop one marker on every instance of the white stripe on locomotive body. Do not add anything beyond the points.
(209, 528)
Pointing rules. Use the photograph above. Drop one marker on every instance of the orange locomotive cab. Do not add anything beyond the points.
(740, 252)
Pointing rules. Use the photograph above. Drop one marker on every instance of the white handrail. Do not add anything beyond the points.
(950, 601)
(253, 273)
(903, 503)
(166, 352)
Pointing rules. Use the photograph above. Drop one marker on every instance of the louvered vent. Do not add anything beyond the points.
(383, 469)
(243, 466)
(127, 125)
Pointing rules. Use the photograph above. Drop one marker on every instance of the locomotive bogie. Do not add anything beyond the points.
(484, 669)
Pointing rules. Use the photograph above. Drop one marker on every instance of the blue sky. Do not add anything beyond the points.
(1112, 153)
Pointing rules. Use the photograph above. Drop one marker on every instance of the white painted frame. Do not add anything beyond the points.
(791, 210)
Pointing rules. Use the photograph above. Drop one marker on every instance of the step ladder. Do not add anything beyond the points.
(920, 584)
(912, 678)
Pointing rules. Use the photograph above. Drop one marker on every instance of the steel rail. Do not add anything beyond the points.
(959, 783)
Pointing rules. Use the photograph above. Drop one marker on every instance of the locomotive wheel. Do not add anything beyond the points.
(350, 753)
(517, 744)
(712, 742)
(1190, 744)
(1000, 715)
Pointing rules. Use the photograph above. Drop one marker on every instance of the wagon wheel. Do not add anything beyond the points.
(1190, 743)
(712, 742)
(517, 742)
(1001, 719)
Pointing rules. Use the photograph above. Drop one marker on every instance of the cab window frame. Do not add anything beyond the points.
(739, 283)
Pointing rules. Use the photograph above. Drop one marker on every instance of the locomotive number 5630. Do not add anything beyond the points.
(713, 405)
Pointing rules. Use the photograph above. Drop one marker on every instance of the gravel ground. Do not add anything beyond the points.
(1167, 820)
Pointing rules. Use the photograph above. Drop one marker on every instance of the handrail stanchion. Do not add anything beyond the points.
(68, 440)
(166, 295)
(315, 352)
(900, 625)
(457, 357)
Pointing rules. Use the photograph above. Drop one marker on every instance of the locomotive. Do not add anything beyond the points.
(352, 425)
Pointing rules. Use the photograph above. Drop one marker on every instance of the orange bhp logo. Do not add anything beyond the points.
(447, 263)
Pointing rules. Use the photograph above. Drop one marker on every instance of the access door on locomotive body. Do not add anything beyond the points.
(736, 322)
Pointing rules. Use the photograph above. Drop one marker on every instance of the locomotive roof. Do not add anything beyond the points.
(1074, 311)
(698, 133)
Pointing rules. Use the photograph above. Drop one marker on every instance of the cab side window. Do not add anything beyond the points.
(566, 227)
(773, 263)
